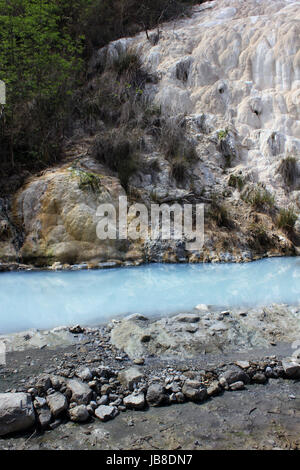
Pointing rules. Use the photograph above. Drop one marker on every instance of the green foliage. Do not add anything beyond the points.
(222, 134)
(39, 59)
(236, 181)
(89, 181)
(286, 219)
(36, 56)
(259, 198)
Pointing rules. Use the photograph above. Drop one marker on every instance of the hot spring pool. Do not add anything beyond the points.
(49, 299)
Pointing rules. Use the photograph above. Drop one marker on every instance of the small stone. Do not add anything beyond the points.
(43, 383)
(104, 413)
(232, 376)
(259, 378)
(213, 389)
(237, 386)
(243, 364)
(140, 361)
(44, 416)
(187, 318)
(145, 338)
(194, 394)
(180, 397)
(76, 329)
(130, 378)
(135, 402)
(16, 412)
(57, 403)
(156, 395)
(103, 400)
(39, 402)
(291, 369)
(80, 391)
(85, 374)
(79, 414)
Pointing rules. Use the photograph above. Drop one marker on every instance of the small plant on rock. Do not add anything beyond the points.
(236, 181)
(286, 219)
(260, 198)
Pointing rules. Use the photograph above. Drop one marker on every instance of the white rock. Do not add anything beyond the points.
(104, 413)
(16, 412)
(57, 403)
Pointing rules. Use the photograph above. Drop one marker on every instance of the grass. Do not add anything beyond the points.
(219, 213)
(236, 181)
(259, 198)
(259, 236)
(286, 219)
(87, 180)
(222, 134)
(177, 148)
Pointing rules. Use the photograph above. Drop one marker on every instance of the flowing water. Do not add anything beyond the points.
(48, 299)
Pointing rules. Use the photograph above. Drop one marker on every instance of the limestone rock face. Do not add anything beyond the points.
(59, 214)
(234, 65)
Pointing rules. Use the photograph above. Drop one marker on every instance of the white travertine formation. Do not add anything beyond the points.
(236, 63)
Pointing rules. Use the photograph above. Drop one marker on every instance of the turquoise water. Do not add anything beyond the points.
(49, 299)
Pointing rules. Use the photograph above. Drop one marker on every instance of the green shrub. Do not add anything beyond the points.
(286, 219)
(236, 181)
(222, 134)
(89, 181)
(259, 198)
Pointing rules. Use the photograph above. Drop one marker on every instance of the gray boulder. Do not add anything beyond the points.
(104, 413)
(232, 376)
(291, 369)
(156, 395)
(84, 374)
(57, 403)
(79, 414)
(44, 416)
(81, 392)
(194, 392)
(130, 378)
(237, 386)
(16, 412)
(135, 401)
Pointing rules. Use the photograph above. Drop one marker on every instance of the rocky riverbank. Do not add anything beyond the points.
(98, 375)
